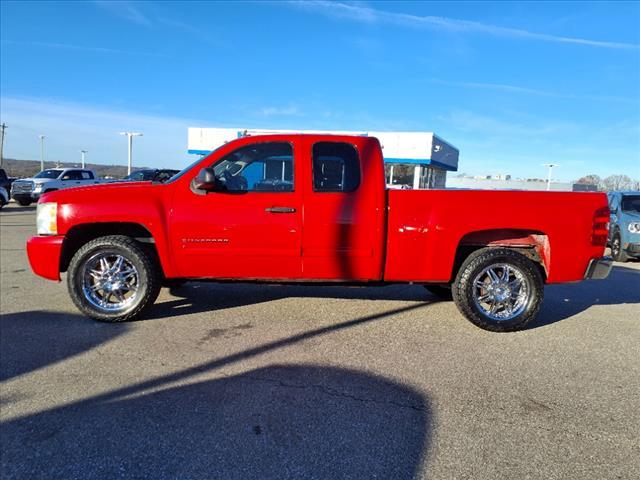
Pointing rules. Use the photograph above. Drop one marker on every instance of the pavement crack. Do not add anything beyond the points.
(339, 394)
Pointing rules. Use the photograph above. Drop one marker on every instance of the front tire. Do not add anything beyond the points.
(113, 279)
(618, 254)
(498, 289)
(24, 203)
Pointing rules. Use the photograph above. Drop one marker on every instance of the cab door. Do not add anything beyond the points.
(343, 231)
(252, 227)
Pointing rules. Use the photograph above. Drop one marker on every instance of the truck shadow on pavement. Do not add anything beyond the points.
(566, 300)
(280, 421)
(197, 297)
(33, 340)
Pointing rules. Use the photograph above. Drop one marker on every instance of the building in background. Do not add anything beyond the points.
(506, 182)
(418, 160)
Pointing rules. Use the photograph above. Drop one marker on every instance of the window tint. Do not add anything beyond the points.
(631, 203)
(86, 175)
(72, 175)
(261, 167)
(336, 167)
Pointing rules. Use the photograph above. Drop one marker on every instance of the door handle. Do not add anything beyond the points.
(280, 209)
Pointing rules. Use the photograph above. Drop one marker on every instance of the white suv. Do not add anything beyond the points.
(28, 190)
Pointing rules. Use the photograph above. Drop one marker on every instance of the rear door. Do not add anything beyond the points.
(251, 230)
(344, 198)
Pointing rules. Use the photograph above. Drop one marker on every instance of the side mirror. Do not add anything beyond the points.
(207, 180)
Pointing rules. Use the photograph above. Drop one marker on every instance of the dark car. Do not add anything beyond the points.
(150, 174)
(5, 182)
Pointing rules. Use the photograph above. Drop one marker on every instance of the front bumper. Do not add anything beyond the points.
(632, 249)
(44, 255)
(33, 197)
(599, 268)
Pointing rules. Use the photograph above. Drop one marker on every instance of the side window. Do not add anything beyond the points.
(86, 175)
(71, 175)
(336, 167)
(261, 167)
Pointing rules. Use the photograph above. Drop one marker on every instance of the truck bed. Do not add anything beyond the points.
(426, 228)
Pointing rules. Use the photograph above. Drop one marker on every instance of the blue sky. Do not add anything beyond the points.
(512, 85)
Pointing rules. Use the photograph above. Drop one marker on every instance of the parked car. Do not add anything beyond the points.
(624, 232)
(308, 208)
(151, 174)
(4, 197)
(5, 181)
(28, 190)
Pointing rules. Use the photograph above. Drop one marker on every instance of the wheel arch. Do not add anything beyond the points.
(533, 244)
(79, 235)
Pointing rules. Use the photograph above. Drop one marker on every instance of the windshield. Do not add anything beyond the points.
(48, 174)
(631, 203)
(189, 167)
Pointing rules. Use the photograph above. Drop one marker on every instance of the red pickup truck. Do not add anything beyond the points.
(314, 208)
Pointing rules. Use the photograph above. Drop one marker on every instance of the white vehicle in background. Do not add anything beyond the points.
(4, 197)
(28, 190)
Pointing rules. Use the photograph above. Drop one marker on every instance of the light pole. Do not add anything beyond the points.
(2, 127)
(41, 137)
(550, 167)
(82, 152)
(130, 136)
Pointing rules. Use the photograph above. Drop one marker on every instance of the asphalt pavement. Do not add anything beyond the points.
(245, 381)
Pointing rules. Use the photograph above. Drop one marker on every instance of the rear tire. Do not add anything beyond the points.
(618, 254)
(113, 267)
(498, 289)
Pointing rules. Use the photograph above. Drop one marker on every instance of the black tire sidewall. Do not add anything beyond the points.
(620, 255)
(463, 288)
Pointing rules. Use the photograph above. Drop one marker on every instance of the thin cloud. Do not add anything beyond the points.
(126, 10)
(362, 13)
(84, 48)
(280, 111)
(530, 91)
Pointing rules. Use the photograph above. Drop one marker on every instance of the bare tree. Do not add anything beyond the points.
(617, 182)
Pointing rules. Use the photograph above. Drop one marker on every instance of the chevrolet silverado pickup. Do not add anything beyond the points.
(314, 208)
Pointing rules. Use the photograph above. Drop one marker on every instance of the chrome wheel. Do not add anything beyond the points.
(501, 291)
(110, 282)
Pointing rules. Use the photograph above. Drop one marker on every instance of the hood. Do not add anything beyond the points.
(100, 192)
(35, 180)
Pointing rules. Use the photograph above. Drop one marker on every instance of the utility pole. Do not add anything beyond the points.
(130, 136)
(550, 166)
(2, 127)
(83, 152)
(41, 137)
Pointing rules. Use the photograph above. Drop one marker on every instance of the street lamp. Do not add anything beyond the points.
(82, 152)
(41, 137)
(2, 127)
(130, 136)
(550, 167)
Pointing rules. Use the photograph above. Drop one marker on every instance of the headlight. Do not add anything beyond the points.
(47, 218)
(634, 227)
(38, 187)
